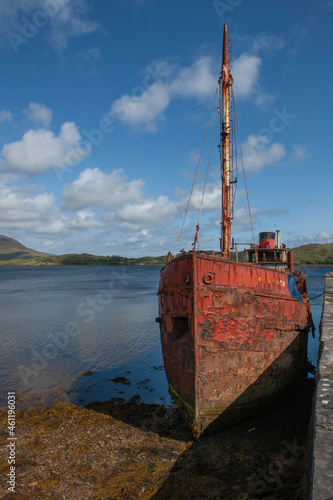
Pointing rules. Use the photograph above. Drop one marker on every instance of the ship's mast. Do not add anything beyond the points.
(225, 144)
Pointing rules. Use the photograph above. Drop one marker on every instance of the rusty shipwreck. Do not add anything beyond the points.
(233, 334)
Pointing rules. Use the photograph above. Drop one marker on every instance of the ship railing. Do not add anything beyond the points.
(273, 258)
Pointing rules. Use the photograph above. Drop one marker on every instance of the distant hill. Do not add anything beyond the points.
(314, 254)
(86, 259)
(12, 249)
(14, 253)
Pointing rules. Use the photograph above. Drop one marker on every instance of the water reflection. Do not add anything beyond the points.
(77, 329)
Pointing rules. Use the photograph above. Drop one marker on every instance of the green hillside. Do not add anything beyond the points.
(314, 253)
(11, 249)
(85, 259)
(15, 254)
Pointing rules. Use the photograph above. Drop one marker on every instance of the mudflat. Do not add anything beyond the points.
(127, 450)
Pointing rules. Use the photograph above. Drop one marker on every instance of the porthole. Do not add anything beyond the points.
(187, 278)
(208, 278)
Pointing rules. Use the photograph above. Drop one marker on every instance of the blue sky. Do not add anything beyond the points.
(104, 107)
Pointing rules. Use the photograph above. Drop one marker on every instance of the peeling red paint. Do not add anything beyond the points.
(234, 335)
(232, 344)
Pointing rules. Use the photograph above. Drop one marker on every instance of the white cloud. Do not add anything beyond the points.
(5, 116)
(264, 99)
(241, 222)
(246, 69)
(134, 242)
(38, 113)
(95, 188)
(323, 237)
(144, 111)
(41, 149)
(258, 153)
(149, 212)
(71, 21)
(60, 20)
(25, 208)
(125, 203)
(147, 110)
(83, 219)
(160, 211)
(20, 209)
(300, 153)
(198, 80)
(245, 72)
(268, 43)
(212, 198)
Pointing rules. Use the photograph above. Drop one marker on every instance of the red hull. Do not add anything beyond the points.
(234, 337)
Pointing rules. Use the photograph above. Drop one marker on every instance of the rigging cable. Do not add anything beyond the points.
(196, 172)
(235, 178)
(204, 188)
(210, 154)
(241, 155)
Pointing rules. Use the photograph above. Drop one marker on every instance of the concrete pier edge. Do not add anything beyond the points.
(321, 473)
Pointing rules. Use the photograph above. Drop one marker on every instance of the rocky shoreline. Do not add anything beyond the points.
(127, 450)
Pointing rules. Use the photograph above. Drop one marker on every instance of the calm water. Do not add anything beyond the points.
(59, 322)
(76, 328)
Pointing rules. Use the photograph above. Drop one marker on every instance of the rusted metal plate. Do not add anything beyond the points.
(233, 337)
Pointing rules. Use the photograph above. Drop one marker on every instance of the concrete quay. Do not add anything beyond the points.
(321, 477)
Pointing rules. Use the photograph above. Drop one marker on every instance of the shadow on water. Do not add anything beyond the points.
(133, 402)
(147, 385)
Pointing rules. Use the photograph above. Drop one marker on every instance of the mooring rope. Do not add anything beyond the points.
(316, 297)
(321, 302)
